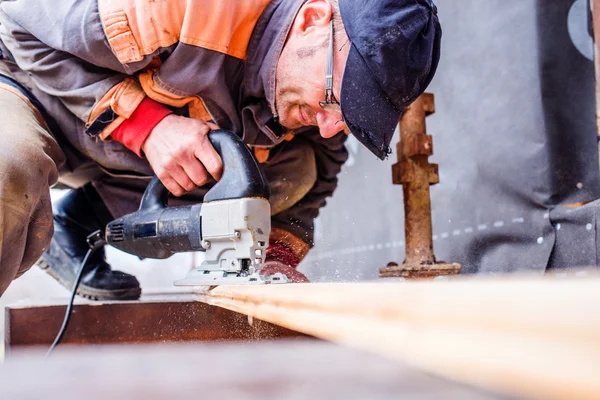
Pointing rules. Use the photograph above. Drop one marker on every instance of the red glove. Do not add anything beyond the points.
(280, 258)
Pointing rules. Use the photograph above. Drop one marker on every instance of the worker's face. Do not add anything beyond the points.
(300, 81)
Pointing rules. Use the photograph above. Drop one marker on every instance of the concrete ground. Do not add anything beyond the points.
(284, 369)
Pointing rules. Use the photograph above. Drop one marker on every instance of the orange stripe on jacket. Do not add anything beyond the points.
(195, 105)
(123, 98)
(136, 28)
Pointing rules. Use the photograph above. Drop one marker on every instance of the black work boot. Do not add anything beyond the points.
(77, 215)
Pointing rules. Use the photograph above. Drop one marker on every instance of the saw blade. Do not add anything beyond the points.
(197, 277)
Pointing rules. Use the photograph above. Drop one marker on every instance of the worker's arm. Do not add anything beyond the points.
(70, 63)
(86, 64)
(91, 60)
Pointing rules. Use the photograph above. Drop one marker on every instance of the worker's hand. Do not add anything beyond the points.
(181, 155)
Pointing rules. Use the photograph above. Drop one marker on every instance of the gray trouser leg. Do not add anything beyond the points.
(29, 160)
(292, 172)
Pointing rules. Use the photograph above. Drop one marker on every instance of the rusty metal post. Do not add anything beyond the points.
(414, 172)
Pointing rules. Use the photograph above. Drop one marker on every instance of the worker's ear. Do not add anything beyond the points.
(313, 16)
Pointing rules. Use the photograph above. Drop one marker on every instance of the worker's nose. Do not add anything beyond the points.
(330, 124)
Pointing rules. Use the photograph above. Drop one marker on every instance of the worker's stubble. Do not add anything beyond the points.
(292, 85)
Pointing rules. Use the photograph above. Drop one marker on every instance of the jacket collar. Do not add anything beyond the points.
(264, 50)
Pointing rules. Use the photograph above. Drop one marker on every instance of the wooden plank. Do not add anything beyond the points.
(285, 369)
(167, 319)
(536, 338)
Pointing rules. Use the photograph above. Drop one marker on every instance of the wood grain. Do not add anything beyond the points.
(537, 338)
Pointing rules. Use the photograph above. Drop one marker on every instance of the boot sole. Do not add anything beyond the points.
(90, 292)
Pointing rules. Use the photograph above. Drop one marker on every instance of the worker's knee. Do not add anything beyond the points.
(26, 172)
(23, 167)
(39, 235)
(292, 173)
(29, 162)
(26, 227)
(23, 240)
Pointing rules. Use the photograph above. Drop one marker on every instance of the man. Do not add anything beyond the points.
(105, 93)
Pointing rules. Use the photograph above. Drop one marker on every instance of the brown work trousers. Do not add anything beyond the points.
(31, 161)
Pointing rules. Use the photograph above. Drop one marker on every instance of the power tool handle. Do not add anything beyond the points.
(155, 196)
(242, 175)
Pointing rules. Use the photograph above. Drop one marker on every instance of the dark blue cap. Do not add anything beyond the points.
(395, 50)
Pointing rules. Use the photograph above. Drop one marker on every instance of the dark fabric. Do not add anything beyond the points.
(103, 120)
(299, 219)
(391, 61)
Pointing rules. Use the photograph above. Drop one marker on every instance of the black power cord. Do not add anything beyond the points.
(95, 241)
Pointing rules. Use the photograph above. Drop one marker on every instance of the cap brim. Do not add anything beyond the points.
(371, 117)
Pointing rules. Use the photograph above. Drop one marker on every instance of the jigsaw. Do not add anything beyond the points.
(231, 226)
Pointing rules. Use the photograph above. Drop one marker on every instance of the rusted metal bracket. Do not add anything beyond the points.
(414, 172)
(156, 318)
